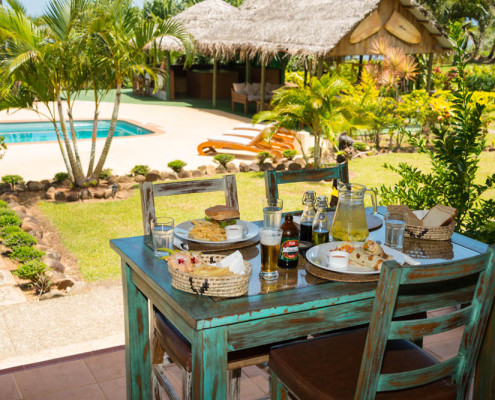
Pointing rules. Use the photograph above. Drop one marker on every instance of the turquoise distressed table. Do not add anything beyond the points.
(297, 305)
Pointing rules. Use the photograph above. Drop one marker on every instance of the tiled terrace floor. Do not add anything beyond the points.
(101, 375)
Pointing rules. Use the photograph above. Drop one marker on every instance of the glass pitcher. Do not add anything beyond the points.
(349, 222)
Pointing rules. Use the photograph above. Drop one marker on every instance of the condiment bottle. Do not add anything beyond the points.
(321, 226)
(307, 216)
(289, 246)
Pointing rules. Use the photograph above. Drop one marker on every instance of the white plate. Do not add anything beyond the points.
(317, 255)
(182, 231)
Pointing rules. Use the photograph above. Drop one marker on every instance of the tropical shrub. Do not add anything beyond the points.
(16, 239)
(26, 253)
(9, 230)
(484, 82)
(3, 204)
(289, 153)
(106, 173)
(10, 219)
(360, 146)
(6, 211)
(176, 165)
(262, 157)
(140, 170)
(60, 177)
(223, 158)
(12, 179)
(456, 146)
(31, 270)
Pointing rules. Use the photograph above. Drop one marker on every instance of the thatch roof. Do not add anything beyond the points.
(296, 27)
(198, 21)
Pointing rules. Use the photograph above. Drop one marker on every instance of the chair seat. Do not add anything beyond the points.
(328, 368)
(179, 348)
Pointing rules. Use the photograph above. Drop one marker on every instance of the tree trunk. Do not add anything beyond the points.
(492, 51)
(62, 150)
(429, 73)
(77, 173)
(73, 135)
(93, 143)
(111, 131)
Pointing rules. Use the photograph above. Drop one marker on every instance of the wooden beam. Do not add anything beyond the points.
(248, 71)
(214, 89)
(263, 73)
(430, 68)
(168, 82)
(319, 67)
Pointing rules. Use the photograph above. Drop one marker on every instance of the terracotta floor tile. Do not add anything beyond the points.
(262, 383)
(53, 378)
(8, 388)
(252, 371)
(108, 366)
(452, 334)
(445, 349)
(114, 389)
(250, 391)
(90, 392)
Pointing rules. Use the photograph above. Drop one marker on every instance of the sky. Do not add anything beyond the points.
(36, 7)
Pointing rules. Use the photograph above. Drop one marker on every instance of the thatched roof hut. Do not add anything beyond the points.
(324, 28)
(198, 20)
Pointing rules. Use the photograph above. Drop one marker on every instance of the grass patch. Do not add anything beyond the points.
(86, 228)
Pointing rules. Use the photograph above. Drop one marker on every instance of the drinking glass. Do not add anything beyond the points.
(272, 213)
(395, 226)
(162, 229)
(270, 246)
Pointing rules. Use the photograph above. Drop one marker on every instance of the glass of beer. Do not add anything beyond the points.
(270, 246)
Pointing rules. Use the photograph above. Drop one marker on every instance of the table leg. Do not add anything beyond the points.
(209, 364)
(137, 343)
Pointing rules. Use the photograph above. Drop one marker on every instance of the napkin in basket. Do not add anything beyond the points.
(235, 263)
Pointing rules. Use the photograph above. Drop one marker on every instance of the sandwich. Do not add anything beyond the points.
(222, 215)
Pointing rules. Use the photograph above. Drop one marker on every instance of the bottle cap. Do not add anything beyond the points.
(309, 197)
(322, 202)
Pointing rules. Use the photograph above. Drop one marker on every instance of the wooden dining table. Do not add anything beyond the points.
(296, 305)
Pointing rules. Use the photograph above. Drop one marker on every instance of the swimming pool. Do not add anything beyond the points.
(29, 132)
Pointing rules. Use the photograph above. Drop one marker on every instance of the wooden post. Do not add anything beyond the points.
(428, 76)
(214, 90)
(248, 70)
(360, 69)
(263, 72)
(319, 68)
(167, 78)
(284, 60)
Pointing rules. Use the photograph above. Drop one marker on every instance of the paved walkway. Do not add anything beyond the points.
(184, 128)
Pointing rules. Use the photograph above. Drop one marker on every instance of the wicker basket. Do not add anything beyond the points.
(218, 286)
(430, 233)
(428, 249)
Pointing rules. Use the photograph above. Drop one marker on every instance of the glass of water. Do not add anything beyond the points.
(395, 226)
(162, 229)
(272, 213)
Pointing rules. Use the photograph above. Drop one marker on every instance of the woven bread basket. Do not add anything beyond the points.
(428, 249)
(217, 286)
(430, 233)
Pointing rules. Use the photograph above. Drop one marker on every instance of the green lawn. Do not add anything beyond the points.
(86, 228)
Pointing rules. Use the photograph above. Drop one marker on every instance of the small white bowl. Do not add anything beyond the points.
(338, 259)
(234, 232)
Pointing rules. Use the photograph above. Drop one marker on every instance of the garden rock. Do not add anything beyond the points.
(33, 228)
(280, 167)
(232, 168)
(99, 194)
(53, 255)
(67, 183)
(254, 167)
(294, 166)
(172, 176)
(34, 186)
(51, 295)
(243, 167)
(60, 196)
(108, 193)
(300, 161)
(125, 179)
(220, 169)
(210, 170)
(139, 178)
(85, 194)
(185, 174)
(55, 265)
(197, 173)
(73, 196)
(5, 187)
(202, 169)
(20, 187)
(153, 176)
(65, 283)
(267, 166)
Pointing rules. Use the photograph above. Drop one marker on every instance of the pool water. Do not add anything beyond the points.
(29, 132)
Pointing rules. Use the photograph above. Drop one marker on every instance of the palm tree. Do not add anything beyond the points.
(316, 107)
(78, 44)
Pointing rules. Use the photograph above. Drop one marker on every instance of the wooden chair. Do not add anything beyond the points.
(166, 338)
(275, 178)
(256, 144)
(377, 362)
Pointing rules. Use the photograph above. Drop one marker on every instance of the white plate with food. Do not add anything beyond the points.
(365, 258)
(220, 226)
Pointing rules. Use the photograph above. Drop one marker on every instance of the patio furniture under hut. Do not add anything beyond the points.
(198, 20)
(323, 28)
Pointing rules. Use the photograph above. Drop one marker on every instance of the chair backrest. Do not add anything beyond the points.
(149, 191)
(404, 290)
(275, 178)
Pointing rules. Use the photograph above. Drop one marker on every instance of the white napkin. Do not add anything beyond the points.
(235, 263)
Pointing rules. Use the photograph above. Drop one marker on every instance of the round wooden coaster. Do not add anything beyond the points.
(335, 276)
(205, 247)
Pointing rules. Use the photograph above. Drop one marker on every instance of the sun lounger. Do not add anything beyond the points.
(287, 142)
